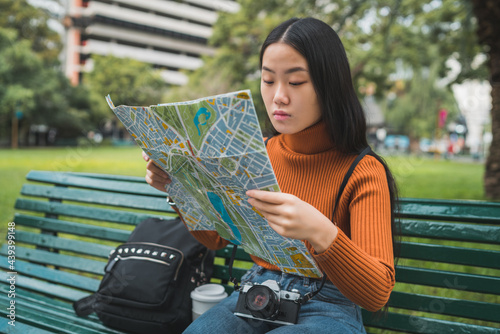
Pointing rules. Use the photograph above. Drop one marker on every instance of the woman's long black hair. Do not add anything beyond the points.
(330, 73)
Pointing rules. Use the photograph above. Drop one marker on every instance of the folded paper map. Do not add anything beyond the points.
(213, 150)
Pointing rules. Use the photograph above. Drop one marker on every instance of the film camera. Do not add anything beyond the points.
(268, 302)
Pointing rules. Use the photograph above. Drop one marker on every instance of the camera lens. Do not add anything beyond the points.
(262, 302)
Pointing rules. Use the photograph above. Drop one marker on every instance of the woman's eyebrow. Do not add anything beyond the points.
(295, 69)
(290, 70)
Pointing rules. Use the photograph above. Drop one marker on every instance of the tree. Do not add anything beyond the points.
(41, 93)
(413, 104)
(31, 84)
(376, 34)
(31, 24)
(18, 63)
(487, 13)
(127, 81)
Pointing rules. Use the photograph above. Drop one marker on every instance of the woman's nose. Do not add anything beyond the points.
(281, 96)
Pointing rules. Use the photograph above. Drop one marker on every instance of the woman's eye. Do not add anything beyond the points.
(267, 82)
(296, 83)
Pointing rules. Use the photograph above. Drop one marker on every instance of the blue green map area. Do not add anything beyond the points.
(213, 150)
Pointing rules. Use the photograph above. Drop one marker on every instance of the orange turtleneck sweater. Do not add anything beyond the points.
(360, 260)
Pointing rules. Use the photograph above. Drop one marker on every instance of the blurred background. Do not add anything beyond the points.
(426, 71)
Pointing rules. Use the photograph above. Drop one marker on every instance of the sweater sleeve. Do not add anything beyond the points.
(362, 265)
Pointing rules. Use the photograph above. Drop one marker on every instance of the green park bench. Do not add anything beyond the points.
(448, 275)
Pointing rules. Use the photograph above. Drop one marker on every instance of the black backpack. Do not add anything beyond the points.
(148, 280)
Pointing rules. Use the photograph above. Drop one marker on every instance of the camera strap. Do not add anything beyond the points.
(230, 270)
(308, 296)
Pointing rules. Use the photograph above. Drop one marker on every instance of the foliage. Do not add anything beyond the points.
(30, 81)
(380, 37)
(377, 35)
(17, 64)
(40, 92)
(127, 81)
(31, 24)
(412, 106)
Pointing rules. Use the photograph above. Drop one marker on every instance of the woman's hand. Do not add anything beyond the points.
(155, 176)
(293, 218)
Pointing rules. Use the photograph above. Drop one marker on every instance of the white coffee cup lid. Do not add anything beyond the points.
(209, 292)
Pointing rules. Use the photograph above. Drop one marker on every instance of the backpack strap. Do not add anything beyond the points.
(85, 306)
(308, 296)
(348, 175)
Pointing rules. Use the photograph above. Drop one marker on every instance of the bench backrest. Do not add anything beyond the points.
(448, 267)
(448, 272)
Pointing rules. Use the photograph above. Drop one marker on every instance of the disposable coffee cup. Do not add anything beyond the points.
(205, 297)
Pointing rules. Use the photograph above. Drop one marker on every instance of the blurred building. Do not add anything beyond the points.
(170, 35)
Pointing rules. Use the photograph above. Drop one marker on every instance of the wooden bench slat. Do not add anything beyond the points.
(43, 302)
(52, 275)
(451, 231)
(449, 306)
(451, 254)
(422, 325)
(79, 211)
(20, 327)
(448, 279)
(72, 245)
(31, 297)
(47, 323)
(111, 177)
(98, 197)
(54, 290)
(56, 321)
(87, 182)
(451, 210)
(58, 260)
(62, 226)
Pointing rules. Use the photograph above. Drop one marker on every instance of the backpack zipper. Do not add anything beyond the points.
(118, 257)
(142, 259)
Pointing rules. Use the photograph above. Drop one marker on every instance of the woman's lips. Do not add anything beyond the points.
(280, 115)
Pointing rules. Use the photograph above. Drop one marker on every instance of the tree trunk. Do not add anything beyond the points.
(487, 13)
(492, 172)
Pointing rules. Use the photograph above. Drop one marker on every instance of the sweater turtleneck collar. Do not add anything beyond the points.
(312, 140)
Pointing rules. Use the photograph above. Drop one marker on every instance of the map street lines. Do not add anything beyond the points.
(212, 148)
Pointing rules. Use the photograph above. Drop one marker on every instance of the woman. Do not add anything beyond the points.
(320, 128)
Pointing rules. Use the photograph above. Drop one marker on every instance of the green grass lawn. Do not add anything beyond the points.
(15, 164)
(430, 178)
(416, 177)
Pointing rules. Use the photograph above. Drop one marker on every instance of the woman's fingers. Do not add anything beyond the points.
(153, 168)
(264, 207)
(274, 203)
(156, 182)
(266, 196)
(155, 176)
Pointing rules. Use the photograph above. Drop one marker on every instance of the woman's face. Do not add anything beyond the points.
(287, 90)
